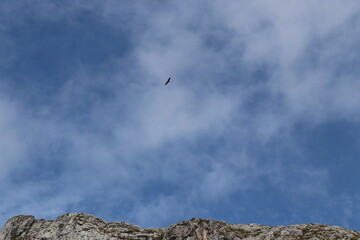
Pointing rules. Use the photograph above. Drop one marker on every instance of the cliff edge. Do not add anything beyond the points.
(84, 226)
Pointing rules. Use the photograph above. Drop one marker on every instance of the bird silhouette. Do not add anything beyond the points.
(167, 82)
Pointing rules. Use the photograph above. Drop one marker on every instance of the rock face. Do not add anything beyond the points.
(83, 226)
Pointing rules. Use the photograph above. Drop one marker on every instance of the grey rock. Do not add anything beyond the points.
(84, 226)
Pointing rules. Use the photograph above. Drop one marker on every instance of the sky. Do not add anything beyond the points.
(259, 124)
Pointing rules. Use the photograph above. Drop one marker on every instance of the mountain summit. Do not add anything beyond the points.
(84, 226)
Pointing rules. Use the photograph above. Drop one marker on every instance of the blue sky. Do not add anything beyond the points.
(260, 123)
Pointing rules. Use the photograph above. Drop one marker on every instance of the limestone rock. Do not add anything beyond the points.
(84, 226)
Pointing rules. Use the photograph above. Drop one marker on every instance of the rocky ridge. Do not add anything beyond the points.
(84, 226)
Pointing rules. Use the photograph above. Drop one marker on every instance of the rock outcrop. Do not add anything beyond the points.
(84, 226)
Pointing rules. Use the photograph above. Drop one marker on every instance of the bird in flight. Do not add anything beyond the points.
(167, 82)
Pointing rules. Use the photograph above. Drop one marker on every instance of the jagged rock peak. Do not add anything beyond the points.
(84, 226)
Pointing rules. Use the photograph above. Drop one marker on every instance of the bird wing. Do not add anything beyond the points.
(168, 81)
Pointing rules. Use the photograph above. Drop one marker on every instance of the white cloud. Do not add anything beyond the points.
(174, 113)
(12, 145)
